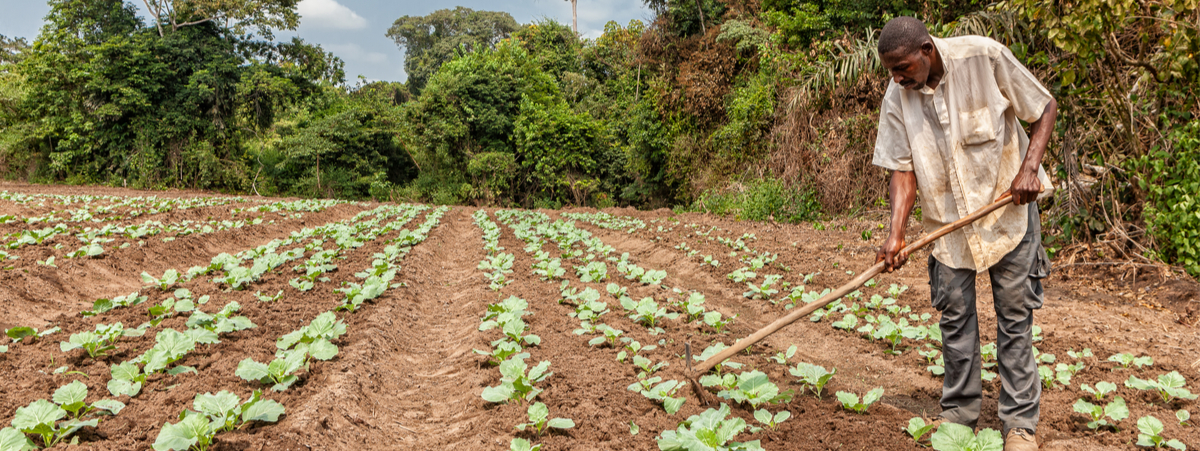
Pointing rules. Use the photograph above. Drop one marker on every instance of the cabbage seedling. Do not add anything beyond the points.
(214, 413)
(101, 341)
(502, 349)
(540, 421)
(1102, 388)
(169, 278)
(917, 428)
(278, 372)
(632, 347)
(17, 334)
(1169, 386)
(764, 416)
(170, 347)
(610, 336)
(220, 322)
(663, 393)
(515, 384)
(520, 444)
(646, 312)
(812, 376)
(1125, 360)
(1116, 410)
(127, 379)
(755, 388)
(268, 298)
(956, 437)
(646, 365)
(1183, 416)
(593, 272)
(325, 327)
(850, 400)
(708, 430)
(42, 417)
(782, 357)
(1150, 434)
(713, 319)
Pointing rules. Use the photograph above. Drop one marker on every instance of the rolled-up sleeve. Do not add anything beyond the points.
(1022, 89)
(891, 142)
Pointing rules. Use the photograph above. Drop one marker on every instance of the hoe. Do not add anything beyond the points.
(703, 367)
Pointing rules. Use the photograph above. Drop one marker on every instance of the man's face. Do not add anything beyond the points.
(909, 68)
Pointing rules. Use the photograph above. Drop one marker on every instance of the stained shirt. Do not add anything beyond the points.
(965, 145)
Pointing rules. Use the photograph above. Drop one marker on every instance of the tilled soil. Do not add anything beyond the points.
(405, 376)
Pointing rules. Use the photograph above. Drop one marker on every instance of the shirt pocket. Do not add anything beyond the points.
(976, 126)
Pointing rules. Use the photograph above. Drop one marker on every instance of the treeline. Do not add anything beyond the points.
(761, 108)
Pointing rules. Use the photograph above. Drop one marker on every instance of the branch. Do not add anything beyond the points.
(157, 16)
(193, 23)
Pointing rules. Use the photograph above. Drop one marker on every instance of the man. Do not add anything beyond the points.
(948, 127)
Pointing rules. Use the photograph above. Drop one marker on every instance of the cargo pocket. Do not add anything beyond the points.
(1040, 269)
(936, 297)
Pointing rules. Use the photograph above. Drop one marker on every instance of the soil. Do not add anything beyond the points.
(405, 376)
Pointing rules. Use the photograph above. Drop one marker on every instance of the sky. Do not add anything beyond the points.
(354, 30)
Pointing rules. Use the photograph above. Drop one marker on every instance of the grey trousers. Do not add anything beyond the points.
(1016, 292)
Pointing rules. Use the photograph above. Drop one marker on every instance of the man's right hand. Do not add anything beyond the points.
(890, 254)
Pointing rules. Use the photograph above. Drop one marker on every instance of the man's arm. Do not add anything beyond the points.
(903, 193)
(1026, 186)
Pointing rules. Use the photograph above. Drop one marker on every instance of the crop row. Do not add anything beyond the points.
(224, 410)
(111, 211)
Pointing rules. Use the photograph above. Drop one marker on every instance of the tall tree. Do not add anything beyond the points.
(574, 16)
(429, 41)
(238, 15)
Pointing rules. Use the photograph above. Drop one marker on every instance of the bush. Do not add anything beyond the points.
(1171, 179)
(760, 200)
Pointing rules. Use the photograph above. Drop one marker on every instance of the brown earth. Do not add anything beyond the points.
(405, 376)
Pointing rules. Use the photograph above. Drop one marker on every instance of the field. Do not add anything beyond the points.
(371, 326)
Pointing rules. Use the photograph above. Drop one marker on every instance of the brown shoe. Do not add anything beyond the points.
(1020, 440)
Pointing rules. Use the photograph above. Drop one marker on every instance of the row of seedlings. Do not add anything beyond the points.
(517, 380)
(533, 228)
(127, 378)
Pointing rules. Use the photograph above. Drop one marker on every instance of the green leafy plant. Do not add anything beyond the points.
(501, 350)
(956, 437)
(515, 384)
(782, 357)
(771, 421)
(317, 334)
(169, 278)
(1116, 410)
(268, 298)
(917, 427)
(647, 312)
(42, 417)
(1169, 386)
(592, 272)
(170, 346)
(714, 320)
(850, 401)
(1125, 360)
(221, 412)
(220, 322)
(1150, 434)
(540, 421)
(632, 347)
(755, 388)
(371, 288)
(99, 342)
(1102, 388)
(1183, 416)
(17, 334)
(662, 392)
(127, 379)
(280, 371)
(710, 430)
(814, 377)
(520, 444)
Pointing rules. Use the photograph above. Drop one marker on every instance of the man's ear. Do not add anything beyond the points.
(927, 48)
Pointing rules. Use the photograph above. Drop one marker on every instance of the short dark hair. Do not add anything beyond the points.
(902, 33)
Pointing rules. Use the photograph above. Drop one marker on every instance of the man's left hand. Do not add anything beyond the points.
(1025, 187)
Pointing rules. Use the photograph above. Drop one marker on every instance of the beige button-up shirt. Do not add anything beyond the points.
(966, 146)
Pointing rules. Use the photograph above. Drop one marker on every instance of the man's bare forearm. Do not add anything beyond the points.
(1041, 130)
(903, 194)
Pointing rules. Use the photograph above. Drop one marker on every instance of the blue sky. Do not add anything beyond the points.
(355, 29)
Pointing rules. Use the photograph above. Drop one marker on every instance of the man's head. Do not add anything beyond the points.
(907, 52)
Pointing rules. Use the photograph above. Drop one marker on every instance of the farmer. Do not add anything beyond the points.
(948, 127)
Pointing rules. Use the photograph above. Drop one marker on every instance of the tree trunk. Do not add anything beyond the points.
(574, 18)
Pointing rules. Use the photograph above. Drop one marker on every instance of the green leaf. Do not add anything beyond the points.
(322, 349)
(38, 417)
(112, 406)
(118, 387)
(71, 396)
(1149, 425)
(1117, 410)
(263, 410)
(13, 440)
(672, 405)
(561, 423)
(953, 437)
(220, 404)
(251, 370)
(498, 394)
(182, 435)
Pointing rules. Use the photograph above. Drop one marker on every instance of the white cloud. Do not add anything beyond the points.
(355, 53)
(329, 14)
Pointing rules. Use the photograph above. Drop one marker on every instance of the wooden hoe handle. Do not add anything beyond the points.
(705, 366)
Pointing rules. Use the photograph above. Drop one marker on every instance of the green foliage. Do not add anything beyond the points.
(1171, 178)
(956, 437)
(431, 41)
(710, 430)
(851, 402)
(515, 383)
(221, 412)
(1168, 386)
(917, 428)
(812, 376)
(1116, 410)
(1150, 434)
(761, 200)
(540, 421)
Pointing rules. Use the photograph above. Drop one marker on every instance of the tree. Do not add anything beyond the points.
(238, 15)
(430, 41)
(574, 17)
(12, 51)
